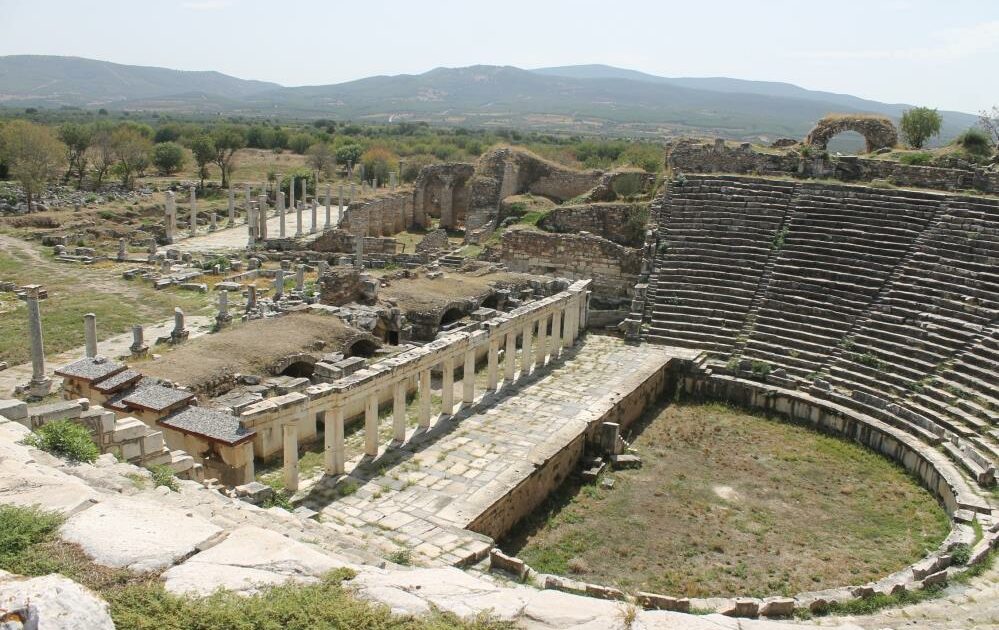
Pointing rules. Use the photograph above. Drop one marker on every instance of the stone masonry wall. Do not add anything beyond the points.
(623, 223)
(613, 268)
(694, 156)
(344, 242)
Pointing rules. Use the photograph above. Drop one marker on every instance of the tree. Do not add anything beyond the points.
(102, 151)
(989, 121)
(168, 157)
(300, 142)
(378, 163)
(131, 148)
(321, 158)
(348, 153)
(203, 148)
(227, 140)
(33, 155)
(919, 124)
(168, 132)
(77, 138)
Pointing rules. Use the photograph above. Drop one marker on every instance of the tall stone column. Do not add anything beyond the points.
(251, 297)
(304, 183)
(194, 211)
(371, 425)
(246, 203)
(223, 317)
(339, 204)
(280, 208)
(298, 219)
(447, 206)
(468, 382)
(424, 404)
(278, 284)
(290, 436)
(526, 358)
(570, 334)
(291, 193)
(359, 252)
(232, 207)
(334, 451)
(40, 385)
(251, 227)
(493, 370)
(315, 227)
(556, 333)
(542, 346)
(399, 411)
(510, 356)
(171, 217)
(300, 278)
(447, 386)
(90, 335)
(353, 191)
(329, 209)
(262, 217)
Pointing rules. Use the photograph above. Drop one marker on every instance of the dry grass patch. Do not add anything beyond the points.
(729, 503)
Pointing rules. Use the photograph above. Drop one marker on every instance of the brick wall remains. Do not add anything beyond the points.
(623, 223)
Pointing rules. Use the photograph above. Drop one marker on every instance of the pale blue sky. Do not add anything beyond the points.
(938, 53)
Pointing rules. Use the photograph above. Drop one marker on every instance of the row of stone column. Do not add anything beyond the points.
(537, 349)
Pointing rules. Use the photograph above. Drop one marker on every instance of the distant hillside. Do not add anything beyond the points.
(44, 80)
(577, 99)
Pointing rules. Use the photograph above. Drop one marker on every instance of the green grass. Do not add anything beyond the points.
(29, 546)
(96, 289)
(65, 439)
(729, 503)
(163, 475)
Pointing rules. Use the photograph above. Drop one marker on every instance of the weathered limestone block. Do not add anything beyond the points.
(248, 558)
(61, 603)
(138, 534)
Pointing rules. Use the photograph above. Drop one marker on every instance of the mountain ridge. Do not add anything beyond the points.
(594, 98)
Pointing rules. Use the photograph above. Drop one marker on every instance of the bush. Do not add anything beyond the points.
(163, 475)
(300, 143)
(960, 554)
(378, 163)
(168, 158)
(65, 439)
(976, 142)
(627, 185)
(916, 159)
(20, 528)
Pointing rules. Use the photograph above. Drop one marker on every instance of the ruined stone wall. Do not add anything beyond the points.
(433, 242)
(383, 216)
(613, 268)
(340, 285)
(623, 223)
(342, 241)
(694, 156)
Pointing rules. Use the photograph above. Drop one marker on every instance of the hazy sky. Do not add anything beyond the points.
(941, 53)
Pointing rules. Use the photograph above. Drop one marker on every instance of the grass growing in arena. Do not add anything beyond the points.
(729, 503)
(29, 546)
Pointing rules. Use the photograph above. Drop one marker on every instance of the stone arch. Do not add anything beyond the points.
(298, 365)
(362, 347)
(442, 190)
(451, 315)
(878, 131)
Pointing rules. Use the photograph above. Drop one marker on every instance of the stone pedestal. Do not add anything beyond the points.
(138, 347)
(223, 317)
(180, 331)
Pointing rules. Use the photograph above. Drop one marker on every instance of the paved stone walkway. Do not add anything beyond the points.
(422, 495)
(111, 347)
(236, 237)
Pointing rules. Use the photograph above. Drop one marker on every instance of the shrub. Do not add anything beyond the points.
(20, 528)
(168, 158)
(627, 185)
(163, 475)
(401, 556)
(976, 142)
(916, 159)
(300, 142)
(760, 369)
(960, 554)
(379, 162)
(65, 439)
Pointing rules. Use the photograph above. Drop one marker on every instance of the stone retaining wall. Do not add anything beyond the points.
(704, 157)
(623, 223)
(613, 268)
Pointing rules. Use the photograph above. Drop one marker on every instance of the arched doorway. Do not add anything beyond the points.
(362, 348)
(877, 131)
